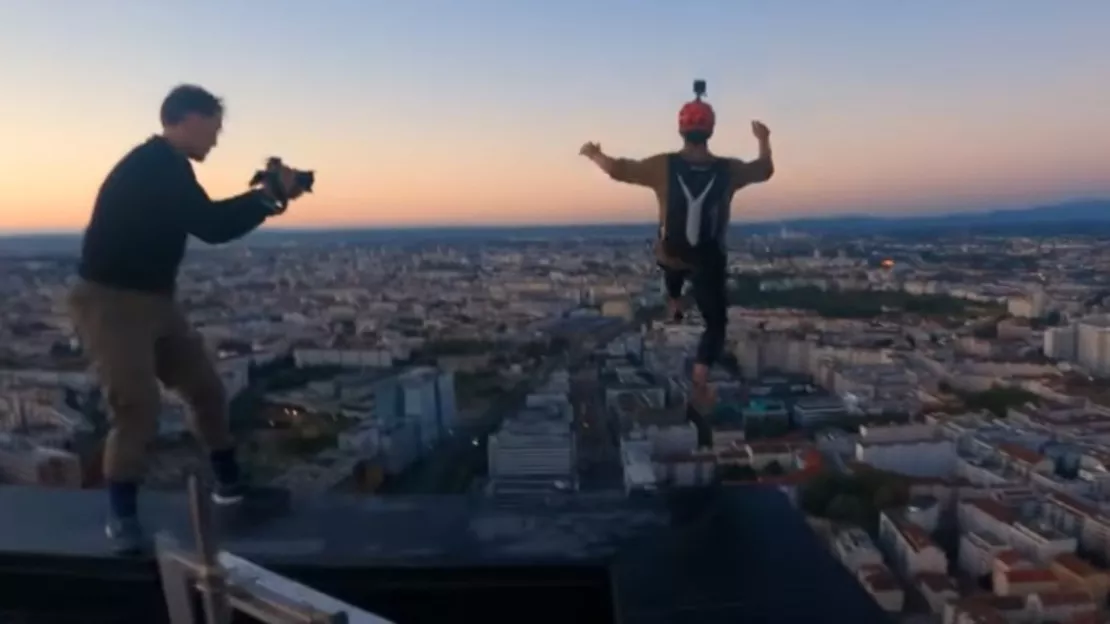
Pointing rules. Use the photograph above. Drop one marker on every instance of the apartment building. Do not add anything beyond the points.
(1082, 520)
(812, 412)
(1023, 582)
(926, 457)
(534, 451)
(911, 548)
(937, 589)
(878, 581)
(24, 463)
(1078, 575)
(855, 549)
(1037, 540)
(978, 551)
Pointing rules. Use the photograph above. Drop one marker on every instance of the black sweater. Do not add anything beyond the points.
(145, 211)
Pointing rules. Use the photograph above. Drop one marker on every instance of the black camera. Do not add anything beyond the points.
(699, 88)
(268, 178)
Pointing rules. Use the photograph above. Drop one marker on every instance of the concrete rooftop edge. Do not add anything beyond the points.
(700, 555)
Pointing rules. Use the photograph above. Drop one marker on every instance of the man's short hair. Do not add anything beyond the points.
(189, 99)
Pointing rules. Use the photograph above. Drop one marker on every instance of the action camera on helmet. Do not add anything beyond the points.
(270, 179)
(697, 119)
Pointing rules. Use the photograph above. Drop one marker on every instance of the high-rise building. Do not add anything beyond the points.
(1060, 343)
(1086, 343)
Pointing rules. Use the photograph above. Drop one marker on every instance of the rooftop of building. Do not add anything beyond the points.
(705, 555)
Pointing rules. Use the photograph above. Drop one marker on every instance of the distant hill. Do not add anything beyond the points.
(1095, 212)
(1077, 217)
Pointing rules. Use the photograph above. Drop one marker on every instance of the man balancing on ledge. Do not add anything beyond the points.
(694, 189)
(123, 307)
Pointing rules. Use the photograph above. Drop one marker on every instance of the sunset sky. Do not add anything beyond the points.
(422, 112)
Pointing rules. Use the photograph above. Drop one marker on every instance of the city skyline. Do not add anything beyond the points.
(475, 117)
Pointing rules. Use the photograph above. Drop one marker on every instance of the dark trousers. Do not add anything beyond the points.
(708, 278)
(674, 280)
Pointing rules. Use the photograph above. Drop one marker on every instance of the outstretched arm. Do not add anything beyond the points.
(177, 191)
(763, 167)
(644, 172)
(216, 222)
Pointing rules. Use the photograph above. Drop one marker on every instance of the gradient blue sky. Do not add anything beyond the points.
(472, 111)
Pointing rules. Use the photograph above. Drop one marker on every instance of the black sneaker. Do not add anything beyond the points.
(127, 535)
(229, 493)
(250, 501)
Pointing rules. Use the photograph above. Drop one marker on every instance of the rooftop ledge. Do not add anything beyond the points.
(714, 555)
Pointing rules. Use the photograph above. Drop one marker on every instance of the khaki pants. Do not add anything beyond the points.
(134, 341)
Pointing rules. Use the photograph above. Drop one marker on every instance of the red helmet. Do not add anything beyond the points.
(696, 116)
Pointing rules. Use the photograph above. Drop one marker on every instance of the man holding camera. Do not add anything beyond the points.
(123, 307)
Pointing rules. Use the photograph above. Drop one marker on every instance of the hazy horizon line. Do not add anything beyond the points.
(936, 212)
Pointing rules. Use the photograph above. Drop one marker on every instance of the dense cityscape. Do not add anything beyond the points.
(937, 408)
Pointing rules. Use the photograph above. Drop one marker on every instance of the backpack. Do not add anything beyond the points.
(697, 212)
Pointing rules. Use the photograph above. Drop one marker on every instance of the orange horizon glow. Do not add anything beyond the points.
(480, 123)
(913, 172)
